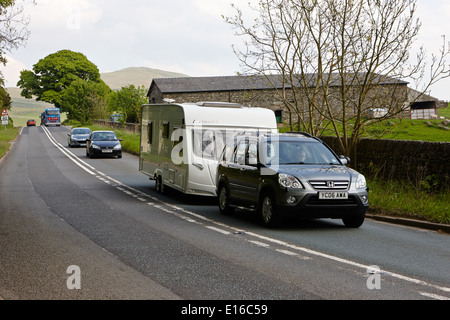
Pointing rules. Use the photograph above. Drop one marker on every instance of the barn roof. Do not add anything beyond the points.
(240, 83)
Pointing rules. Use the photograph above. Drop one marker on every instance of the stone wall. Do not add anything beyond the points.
(130, 127)
(409, 161)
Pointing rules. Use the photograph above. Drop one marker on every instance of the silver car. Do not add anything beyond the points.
(78, 136)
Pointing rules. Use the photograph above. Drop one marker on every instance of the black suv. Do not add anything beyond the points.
(290, 174)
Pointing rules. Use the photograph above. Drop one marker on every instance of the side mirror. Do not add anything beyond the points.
(344, 160)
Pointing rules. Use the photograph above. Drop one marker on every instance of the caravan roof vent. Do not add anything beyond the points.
(220, 104)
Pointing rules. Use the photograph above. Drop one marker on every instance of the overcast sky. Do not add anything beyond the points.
(186, 36)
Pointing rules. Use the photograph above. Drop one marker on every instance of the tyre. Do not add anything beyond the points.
(159, 185)
(224, 200)
(268, 211)
(354, 221)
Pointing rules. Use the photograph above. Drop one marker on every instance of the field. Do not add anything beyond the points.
(25, 109)
(6, 135)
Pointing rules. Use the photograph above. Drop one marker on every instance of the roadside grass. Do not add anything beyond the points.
(6, 136)
(396, 198)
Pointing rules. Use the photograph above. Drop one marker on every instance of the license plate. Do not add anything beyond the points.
(107, 151)
(332, 195)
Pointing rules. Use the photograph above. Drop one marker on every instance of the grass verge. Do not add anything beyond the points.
(395, 198)
(6, 136)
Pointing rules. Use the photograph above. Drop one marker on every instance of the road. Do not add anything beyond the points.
(78, 228)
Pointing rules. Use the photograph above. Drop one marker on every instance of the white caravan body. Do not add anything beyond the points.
(181, 143)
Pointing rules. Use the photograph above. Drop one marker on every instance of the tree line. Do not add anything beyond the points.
(72, 83)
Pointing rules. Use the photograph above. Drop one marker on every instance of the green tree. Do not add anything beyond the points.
(82, 99)
(5, 99)
(128, 101)
(55, 73)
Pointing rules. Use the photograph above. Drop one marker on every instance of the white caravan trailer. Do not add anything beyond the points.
(181, 143)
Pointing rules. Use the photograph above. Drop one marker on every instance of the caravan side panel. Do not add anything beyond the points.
(157, 126)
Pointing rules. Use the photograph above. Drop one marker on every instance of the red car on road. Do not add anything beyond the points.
(31, 123)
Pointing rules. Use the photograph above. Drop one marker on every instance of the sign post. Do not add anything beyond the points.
(5, 118)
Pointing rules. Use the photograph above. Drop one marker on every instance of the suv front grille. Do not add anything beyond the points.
(329, 185)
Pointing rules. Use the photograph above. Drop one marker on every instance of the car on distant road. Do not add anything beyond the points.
(103, 143)
(31, 123)
(293, 174)
(78, 137)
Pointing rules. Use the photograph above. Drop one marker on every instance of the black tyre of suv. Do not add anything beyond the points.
(354, 221)
(268, 211)
(224, 200)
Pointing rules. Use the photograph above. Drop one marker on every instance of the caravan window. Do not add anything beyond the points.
(165, 130)
(150, 132)
(208, 143)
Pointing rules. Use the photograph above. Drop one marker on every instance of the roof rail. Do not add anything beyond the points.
(219, 104)
(301, 132)
(306, 134)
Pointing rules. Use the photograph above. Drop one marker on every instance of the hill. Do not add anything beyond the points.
(138, 76)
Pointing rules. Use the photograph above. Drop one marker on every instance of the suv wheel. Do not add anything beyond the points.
(224, 200)
(353, 221)
(268, 211)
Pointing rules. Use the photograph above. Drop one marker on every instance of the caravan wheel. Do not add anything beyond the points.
(159, 185)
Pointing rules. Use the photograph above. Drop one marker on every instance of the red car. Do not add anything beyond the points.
(31, 123)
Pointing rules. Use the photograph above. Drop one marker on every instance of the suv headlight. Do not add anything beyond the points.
(94, 146)
(118, 146)
(360, 182)
(288, 181)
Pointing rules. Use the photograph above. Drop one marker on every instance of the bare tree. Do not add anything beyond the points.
(13, 28)
(334, 60)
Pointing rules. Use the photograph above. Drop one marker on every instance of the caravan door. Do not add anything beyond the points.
(207, 146)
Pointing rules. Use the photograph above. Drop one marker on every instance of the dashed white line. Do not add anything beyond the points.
(218, 230)
(434, 296)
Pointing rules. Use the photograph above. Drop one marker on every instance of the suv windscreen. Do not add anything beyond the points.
(297, 152)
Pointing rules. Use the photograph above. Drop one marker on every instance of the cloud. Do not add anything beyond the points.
(69, 14)
(11, 71)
